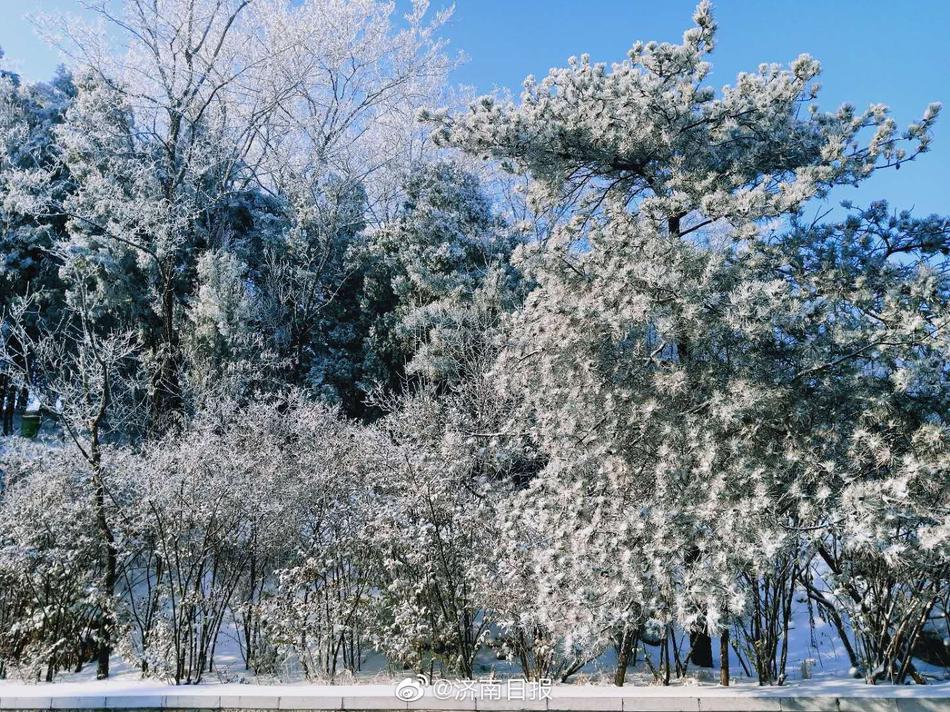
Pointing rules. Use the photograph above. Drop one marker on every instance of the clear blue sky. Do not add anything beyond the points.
(871, 51)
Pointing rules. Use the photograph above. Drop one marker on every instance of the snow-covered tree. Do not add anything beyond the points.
(423, 275)
(28, 117)
(871, 298)
(350, 78)
(305, 284)
(86, 380)
(645, 359)
(212, 99)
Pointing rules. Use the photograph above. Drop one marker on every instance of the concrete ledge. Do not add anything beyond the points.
(740, 704)
(240, 702)
(575, 700)
(871, 705)
(431, 703)
(134, 702)
(922, 704)
(660, 704)
(310, 702)
(586, 704)
(27, 703)
(191, 702)
(809, 704)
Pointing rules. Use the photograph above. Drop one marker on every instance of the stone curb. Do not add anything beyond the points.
(331, 703)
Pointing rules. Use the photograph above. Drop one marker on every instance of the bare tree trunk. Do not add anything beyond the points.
(7, 428)
(23, 400)
(700, 645)
(110, 574)
(665, 649)
(724, 658)
(625, 647)
(8, 410)
(106, 622)
(166, 399)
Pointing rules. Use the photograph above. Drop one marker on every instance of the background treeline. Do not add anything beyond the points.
(328, 372)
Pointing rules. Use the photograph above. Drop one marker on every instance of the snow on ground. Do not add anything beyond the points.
(130, 684)
(127, 688)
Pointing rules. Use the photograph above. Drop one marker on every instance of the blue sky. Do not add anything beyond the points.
(871, 51)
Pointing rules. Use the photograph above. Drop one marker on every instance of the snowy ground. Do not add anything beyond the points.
(129, 685)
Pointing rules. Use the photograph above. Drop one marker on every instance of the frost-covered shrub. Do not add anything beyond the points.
(217, 510)
(886, 559)
(434, 533)
(317, 615)
(314, 611)
(196, 515)
(50, 558)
